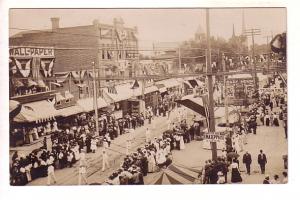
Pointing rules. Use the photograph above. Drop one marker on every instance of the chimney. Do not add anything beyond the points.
(55, 23)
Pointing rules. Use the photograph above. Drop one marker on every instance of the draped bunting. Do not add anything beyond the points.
(24, 66)
(62, 77)
(12, 66)
(47, 67)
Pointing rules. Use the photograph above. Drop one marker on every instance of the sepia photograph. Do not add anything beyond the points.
(147, 96)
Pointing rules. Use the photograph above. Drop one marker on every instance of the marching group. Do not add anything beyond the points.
(154, 155)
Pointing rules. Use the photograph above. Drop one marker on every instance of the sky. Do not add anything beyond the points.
(159, 25)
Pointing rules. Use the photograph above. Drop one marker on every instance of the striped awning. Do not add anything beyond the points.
(176, 174)
(36, 112)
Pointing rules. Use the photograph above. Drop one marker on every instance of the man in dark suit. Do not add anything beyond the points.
(262, 161)
(247, 160)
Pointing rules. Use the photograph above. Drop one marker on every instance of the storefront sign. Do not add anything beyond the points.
(31, 52)
(271, 90)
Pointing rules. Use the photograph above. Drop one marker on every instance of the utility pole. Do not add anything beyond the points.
(179, 59)
(269, 50)
(211, 127)
(95, 99)
(225, 92)
(252, 32)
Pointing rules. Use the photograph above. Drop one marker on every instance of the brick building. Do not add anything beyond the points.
(113, 48)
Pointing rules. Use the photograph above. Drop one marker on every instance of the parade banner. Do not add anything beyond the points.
(31, 52)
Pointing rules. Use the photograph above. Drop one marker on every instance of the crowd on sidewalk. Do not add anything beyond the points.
(66, 144)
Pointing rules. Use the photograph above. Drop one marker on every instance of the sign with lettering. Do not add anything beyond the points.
(271, 90)
(215, 137)
(242, 88)
(31, 52)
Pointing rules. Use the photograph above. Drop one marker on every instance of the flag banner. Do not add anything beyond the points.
(62, 77)
(24, 66)
(12, 66)
(47, 67)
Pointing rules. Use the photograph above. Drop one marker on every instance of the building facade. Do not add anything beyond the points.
(113, 48)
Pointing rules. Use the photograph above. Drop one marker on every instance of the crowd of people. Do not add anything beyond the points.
(67, 142)
(154, 155)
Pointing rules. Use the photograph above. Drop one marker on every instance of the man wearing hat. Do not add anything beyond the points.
(262, 161)
(247, 160)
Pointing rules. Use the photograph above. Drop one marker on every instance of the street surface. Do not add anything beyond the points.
(270, 139)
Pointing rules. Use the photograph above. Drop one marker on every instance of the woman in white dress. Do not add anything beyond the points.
(236, 143)
(160, 158)
(94, 145)
(181, 142)
(151, 161)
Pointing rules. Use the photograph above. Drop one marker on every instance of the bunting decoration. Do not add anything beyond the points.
(62, 77)
(12, 65)
(47, 67)
(24, 67)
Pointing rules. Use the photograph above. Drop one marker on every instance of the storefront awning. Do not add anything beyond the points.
(69, 111)
(169, 83)
(193, 83)
(194, 103)
(161, 87)
(36, 111)
(88, 104)
(120, 92)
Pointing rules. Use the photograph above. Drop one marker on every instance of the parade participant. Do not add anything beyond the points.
(94, 145)
(151, 161)
(148, 135)
(82, 168)
(247, 160)
(221, 178)
(235, 172)
(105, 162)
(262, 161)
(50, 170)
(182, 146)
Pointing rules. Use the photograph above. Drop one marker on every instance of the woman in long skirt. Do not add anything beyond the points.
(151, 161)
(235, 173)
(181, 142)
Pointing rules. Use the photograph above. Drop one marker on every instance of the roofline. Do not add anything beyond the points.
(108, 26)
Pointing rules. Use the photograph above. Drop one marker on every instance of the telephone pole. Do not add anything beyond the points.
(95, 98)
(252, 32)
(268, 50)
(211, 119)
